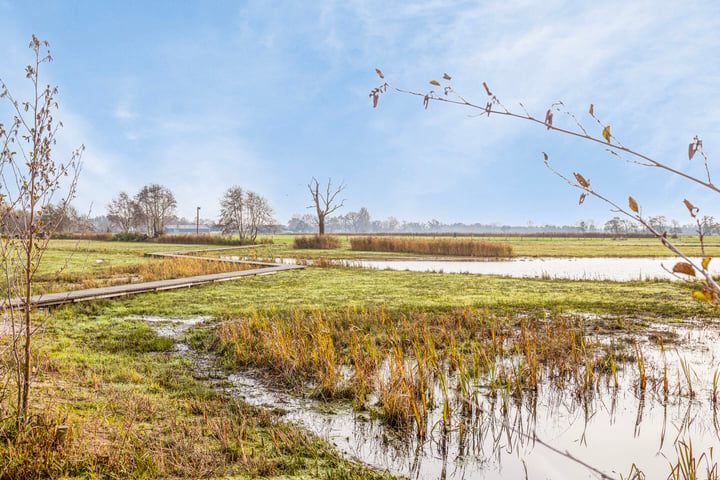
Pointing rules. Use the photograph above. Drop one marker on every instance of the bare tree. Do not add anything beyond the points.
(125, 213)
(232, 211)
(260, 214)
(30, 178)
(599, 134)
(158, 205)
(66, 218)
(244, 212)
(325, 203)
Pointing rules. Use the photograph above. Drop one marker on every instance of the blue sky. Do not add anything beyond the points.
(200, 96)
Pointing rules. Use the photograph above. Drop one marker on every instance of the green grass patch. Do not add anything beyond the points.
(314, 288)
(133, 409)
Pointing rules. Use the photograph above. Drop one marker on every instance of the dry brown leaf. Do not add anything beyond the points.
(487, 89)
(548, 118)
(606, 133)
(581, 180)
(691, 208)
(380, 74)
(633, 204)
(582, 198)
(447, 77)
(435, 82)
(684, 268)
(592, 110)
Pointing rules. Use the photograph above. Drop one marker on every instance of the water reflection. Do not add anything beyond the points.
(554, 432)
(558, 430)
(620, 269)
(578, 268)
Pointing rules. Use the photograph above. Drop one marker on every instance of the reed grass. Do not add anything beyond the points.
(414, 361)
(317, 242)
(206, 239)
(689, 466)
(687, 373)
(440, 246)
(163, 269)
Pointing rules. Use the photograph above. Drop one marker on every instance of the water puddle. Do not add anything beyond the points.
(172, 327)
(557, 431)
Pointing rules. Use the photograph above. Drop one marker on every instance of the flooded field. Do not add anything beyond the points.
(620, 269)
(579, 268)
(638, 402)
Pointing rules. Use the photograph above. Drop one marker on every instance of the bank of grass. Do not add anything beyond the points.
(522, 247)
(440, 246)
(335, 287)
(89, 257)
(205, 239)
(136, 410)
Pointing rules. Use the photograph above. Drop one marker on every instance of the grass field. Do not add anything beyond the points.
(334, 288)
(137, 409)
(531, 247)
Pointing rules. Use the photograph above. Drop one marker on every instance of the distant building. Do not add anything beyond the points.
(189, 228)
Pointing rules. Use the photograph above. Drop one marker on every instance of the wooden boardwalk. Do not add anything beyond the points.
(55, 299)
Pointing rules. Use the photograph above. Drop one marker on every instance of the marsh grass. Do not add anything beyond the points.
(689, 466)
(414, 361)
(205, 239)
(439, 246)
(317, 242)
(162, 269)
(113, 401)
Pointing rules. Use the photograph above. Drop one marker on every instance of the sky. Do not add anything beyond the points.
(201, 96)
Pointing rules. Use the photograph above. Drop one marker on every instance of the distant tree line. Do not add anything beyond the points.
(246, 214)
(361, 222)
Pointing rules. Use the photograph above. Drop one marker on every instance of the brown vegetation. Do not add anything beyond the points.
(444, 246)
(184, 239)
(403, 357)
(164, 269)
(324, 242)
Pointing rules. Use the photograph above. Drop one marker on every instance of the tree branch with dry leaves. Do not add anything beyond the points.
(689, 268)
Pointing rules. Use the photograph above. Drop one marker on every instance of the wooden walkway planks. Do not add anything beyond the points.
(54, 299)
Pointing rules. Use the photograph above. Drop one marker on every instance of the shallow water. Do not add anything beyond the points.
(577, 268)
(607, 428)
(620, 269)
